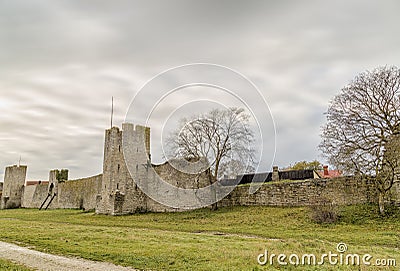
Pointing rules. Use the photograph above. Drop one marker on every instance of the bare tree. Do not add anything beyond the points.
(233, 167)
(220, 136)
(361, 125)
(391, 161)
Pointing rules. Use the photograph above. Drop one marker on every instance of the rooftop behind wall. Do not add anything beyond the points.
(268, 177)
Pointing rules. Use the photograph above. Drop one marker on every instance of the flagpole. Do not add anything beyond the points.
(112, 110)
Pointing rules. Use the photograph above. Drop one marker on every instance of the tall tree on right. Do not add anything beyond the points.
(363, 123)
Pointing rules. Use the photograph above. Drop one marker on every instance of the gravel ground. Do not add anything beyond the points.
(48, 262)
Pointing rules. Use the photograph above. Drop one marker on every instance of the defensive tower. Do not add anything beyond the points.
(119, 194)
(14, 181)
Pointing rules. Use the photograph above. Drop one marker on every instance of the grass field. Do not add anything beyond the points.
(7, 265)
(227, 239)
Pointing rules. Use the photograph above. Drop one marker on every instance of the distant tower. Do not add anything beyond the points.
(56, 176)
(52, 187)
(14, 181)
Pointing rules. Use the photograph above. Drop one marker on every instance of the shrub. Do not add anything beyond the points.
(324, 212)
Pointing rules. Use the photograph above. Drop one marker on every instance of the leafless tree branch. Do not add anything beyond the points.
(363, 121)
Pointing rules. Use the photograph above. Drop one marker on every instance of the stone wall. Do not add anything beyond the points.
(169, 172)
(34, 195)
(79, 193)
(116, 192)
(341, 191)
(120, 193)
(82, 194)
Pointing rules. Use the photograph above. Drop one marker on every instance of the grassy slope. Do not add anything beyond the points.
(193, 240)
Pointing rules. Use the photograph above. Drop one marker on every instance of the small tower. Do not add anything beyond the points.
(56, 176)
(14, 181)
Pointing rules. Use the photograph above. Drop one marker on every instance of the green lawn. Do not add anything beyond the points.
(8, 265)
(227, 239)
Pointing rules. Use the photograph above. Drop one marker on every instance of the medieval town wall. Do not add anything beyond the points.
(340, 191)
(171, 173)
(34, 195)
(116, 191)
(80, 193)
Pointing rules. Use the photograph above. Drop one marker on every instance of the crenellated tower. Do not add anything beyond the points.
(119, 194)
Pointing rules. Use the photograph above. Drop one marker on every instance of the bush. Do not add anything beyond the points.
(324, 212)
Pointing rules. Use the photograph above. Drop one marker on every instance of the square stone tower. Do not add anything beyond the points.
(119, 193)
(14, 181)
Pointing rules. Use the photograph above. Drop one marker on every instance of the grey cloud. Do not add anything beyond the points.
(61, 61)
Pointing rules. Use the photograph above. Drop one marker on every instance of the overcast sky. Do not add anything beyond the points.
(61, 61)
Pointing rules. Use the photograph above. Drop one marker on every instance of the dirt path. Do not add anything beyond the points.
(48, 262)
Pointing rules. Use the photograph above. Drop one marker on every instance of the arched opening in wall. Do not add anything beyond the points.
(119, 148)
(117, 185)
(119, 166)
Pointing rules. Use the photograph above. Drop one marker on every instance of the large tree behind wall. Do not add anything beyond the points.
(224, 137)
(302, 165)
(362, 123)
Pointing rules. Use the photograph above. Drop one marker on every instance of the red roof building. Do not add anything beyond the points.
(326, 173)
(36, 182)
